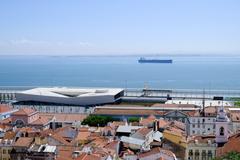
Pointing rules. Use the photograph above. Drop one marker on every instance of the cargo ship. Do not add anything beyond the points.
(144, 60)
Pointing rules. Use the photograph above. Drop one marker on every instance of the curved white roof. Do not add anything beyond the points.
(71, 92)
(76, 96)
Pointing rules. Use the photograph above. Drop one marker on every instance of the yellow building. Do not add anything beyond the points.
(6, 145)
(175, 136)
(5, 152)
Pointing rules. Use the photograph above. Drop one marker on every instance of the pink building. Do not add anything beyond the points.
(24, 117)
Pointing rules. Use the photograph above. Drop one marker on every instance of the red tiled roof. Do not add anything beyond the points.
(86, 156)
(112, 145)
(82, 136)
(5, 108)
(146, 121)
(42, 120)
(98, 142)
(144, 131)
(25, 129)
(235, 116)
(23, 142)
(231, 145)
(65, 153)
(6, 121)
(63, 117)
(156, 151)
(60, 139)
(9, 135)
(163, 123)
(202, 139)
(24, 111)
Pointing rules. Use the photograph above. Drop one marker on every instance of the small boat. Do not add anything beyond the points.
(144, 60)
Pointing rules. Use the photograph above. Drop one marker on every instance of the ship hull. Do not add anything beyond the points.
(154, 61)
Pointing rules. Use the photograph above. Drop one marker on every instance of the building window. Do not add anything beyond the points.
(197, 155)
(203, 120)
(221, 131)
(193, 132)
(9, 151)
(190, 154)
(4, 151)
(204, 155)
(210, 155)
(193, 125)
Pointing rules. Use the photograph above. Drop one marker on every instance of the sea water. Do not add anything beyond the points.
(186, 72)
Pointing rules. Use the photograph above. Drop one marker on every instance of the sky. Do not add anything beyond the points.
(119, 27)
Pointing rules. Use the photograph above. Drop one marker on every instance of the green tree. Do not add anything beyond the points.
(133, 119)
(229, 156)
(94, 120)
(237, 103)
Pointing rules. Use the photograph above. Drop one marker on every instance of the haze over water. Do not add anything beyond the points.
(186, 72)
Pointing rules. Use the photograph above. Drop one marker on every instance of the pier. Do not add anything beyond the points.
(182, 93)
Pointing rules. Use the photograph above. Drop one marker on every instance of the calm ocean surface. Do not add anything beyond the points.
(185, 72)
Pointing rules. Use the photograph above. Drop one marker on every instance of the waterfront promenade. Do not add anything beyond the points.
(8, 93)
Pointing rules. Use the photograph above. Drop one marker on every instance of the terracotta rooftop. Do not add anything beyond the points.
(235, 116)
(115, 124)
(163, 123)
(60, 139)
(146, 121)
(42, 120)
(83, 136)
(144, 131)
(66, 132)
(179, 125)
(65, 152)
(5, 108)
(63, 117)
(24, 111)
(211, 109)
(202, 139)
(9, 135)
(193, 113)
(23, 142)
(86, 156)
(174, 131)
(98, 142)
(156, 151)
(231, 145)
(6, 121)
(112, 145)
(25, 129)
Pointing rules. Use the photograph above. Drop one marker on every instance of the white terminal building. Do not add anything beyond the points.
(71, 96)
(199, 102)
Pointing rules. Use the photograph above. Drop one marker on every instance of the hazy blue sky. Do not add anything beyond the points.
(119, 26)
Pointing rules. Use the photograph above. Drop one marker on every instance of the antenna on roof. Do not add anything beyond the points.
(203, 103)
